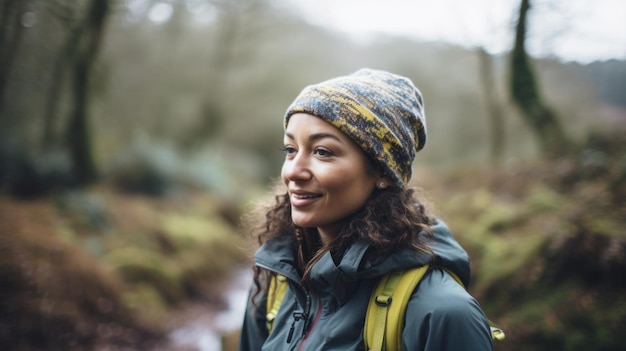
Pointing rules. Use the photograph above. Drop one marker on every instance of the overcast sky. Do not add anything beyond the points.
(573, 30)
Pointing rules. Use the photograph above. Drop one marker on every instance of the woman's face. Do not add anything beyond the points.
(327, 175)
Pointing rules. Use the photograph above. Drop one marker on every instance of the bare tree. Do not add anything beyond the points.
(68, 16)
(11, 29)
(525, 93)
(494, 108)
(83, 55)
(236, 39)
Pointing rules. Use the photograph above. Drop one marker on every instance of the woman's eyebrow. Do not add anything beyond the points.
(317, 136)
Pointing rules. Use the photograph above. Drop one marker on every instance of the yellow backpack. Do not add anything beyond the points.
(384, 320)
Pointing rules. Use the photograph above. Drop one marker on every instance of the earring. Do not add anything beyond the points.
(382, 184)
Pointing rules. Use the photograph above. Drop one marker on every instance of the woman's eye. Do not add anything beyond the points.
(288, 150)
(323, 152)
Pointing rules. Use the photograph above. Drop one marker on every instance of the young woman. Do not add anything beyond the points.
(346, 218)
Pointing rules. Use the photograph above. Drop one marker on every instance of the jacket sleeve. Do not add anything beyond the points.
(254, 328)
(443, 316)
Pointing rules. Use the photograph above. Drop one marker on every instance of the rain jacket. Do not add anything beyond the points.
(440, 316)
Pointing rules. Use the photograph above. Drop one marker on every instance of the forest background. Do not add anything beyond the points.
(135, 135)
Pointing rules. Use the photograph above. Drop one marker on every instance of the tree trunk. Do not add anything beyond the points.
(11, 29)
(78, 131)
(59, 68)
(67, 15)
(494, 109)
(525, 93)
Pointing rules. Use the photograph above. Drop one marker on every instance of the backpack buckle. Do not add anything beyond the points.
(383, 300)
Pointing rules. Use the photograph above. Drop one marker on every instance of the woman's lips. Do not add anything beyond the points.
(300, 198)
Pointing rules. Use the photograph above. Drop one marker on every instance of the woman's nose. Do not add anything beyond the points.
(296, 168)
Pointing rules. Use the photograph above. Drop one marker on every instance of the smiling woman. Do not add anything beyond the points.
(326, 175)
(346, 218)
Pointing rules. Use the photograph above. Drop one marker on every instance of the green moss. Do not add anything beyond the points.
(611, 227)
(146, 301)
(190, 230)
(183, 257)
(135, 265)
(513, 254)
(542, 198)
(563, 318)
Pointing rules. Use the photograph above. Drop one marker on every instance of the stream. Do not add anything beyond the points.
(200, 327)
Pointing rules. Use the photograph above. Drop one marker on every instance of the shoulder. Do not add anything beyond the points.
(442, 315)
(439, 295)
(439, 291)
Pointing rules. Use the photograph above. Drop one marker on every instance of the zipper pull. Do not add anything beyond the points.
(297, 315)
(307, 310)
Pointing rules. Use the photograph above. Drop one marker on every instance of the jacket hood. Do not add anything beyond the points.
(449, 254)
(278, 255)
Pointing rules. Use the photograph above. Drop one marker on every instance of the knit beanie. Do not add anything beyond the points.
(381, 111)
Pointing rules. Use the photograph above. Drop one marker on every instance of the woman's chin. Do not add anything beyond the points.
(302, 222)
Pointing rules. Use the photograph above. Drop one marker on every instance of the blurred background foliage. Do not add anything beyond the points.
(135, 134)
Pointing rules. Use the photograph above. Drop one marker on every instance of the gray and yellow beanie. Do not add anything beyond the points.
(381, 111)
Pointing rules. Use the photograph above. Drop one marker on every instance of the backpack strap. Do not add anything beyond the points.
(379, 331)
(382, 333)
(275, 295)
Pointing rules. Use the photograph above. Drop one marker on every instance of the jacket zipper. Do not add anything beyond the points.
(297, 314)
(300, 315)
(316, 319)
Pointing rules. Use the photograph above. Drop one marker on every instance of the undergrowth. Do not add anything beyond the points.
(98, 268)
(548, 245)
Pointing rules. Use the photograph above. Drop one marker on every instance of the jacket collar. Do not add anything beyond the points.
(336, 281)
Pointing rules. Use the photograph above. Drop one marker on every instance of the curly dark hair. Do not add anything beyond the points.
(392, 219)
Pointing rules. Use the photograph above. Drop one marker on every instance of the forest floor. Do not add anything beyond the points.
(547, 243)
(102, 269)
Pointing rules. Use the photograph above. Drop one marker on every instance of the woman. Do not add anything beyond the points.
(347, 218)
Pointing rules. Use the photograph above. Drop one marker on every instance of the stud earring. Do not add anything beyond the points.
(382, 184)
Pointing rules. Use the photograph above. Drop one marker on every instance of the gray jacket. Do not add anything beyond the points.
(440, 316)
